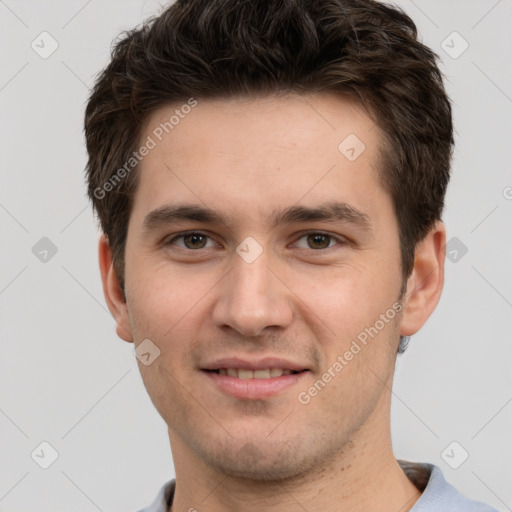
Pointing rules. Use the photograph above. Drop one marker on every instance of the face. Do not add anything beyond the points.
(295, 267)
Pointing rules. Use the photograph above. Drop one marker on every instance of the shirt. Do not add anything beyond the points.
(437, 494)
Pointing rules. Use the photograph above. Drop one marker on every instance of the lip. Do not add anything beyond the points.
(260, 364)
(253, 389)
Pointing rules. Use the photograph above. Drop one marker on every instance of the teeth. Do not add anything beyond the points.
(262, 374)
(257, 374)
(245, 374)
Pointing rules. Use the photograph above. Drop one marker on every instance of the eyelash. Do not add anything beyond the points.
(185, 233)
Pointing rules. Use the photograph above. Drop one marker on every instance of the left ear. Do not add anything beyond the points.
(425, 283)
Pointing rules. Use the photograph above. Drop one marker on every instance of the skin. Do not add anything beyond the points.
(246, 158)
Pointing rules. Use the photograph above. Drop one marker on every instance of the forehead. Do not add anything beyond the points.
(244, 154)
(273, 122)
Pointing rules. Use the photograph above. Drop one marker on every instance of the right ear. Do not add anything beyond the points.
(112, 290)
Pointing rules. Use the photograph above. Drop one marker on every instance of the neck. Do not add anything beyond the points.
(363, 476)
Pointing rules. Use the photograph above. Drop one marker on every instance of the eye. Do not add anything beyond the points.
(192, 240)
(319, 240)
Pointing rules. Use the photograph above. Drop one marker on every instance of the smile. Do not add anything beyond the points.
(253, 385)
(242, 373)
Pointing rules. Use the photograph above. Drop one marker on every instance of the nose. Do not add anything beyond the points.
(253, 297)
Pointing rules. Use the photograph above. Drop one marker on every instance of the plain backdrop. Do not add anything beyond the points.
(67, 380)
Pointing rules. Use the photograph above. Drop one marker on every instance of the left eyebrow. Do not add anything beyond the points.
(328, 212)
(333, 211)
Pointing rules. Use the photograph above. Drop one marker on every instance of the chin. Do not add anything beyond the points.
(262, 472)
(262, 463)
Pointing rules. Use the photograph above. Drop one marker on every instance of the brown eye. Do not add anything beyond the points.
(318, 241)
(192, 240)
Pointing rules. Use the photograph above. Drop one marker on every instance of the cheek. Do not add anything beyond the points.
(357, 368)
(351, 310)
(347, 298)
(160, 296)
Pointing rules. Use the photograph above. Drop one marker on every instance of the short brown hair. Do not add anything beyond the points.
(221, 48)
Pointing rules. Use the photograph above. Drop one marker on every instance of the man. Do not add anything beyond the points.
(269, 179)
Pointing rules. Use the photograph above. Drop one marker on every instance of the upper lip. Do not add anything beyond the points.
(259, 364)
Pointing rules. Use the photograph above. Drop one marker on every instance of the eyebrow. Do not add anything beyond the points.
(332, 212)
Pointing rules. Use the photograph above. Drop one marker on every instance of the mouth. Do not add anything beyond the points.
(245, 374)
(264, 383)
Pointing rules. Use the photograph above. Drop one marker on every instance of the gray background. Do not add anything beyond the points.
(68, 380)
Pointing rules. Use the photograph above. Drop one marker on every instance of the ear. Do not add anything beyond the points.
(112, 290)
(425, 283)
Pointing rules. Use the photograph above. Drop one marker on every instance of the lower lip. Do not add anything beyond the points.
(254, 388)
